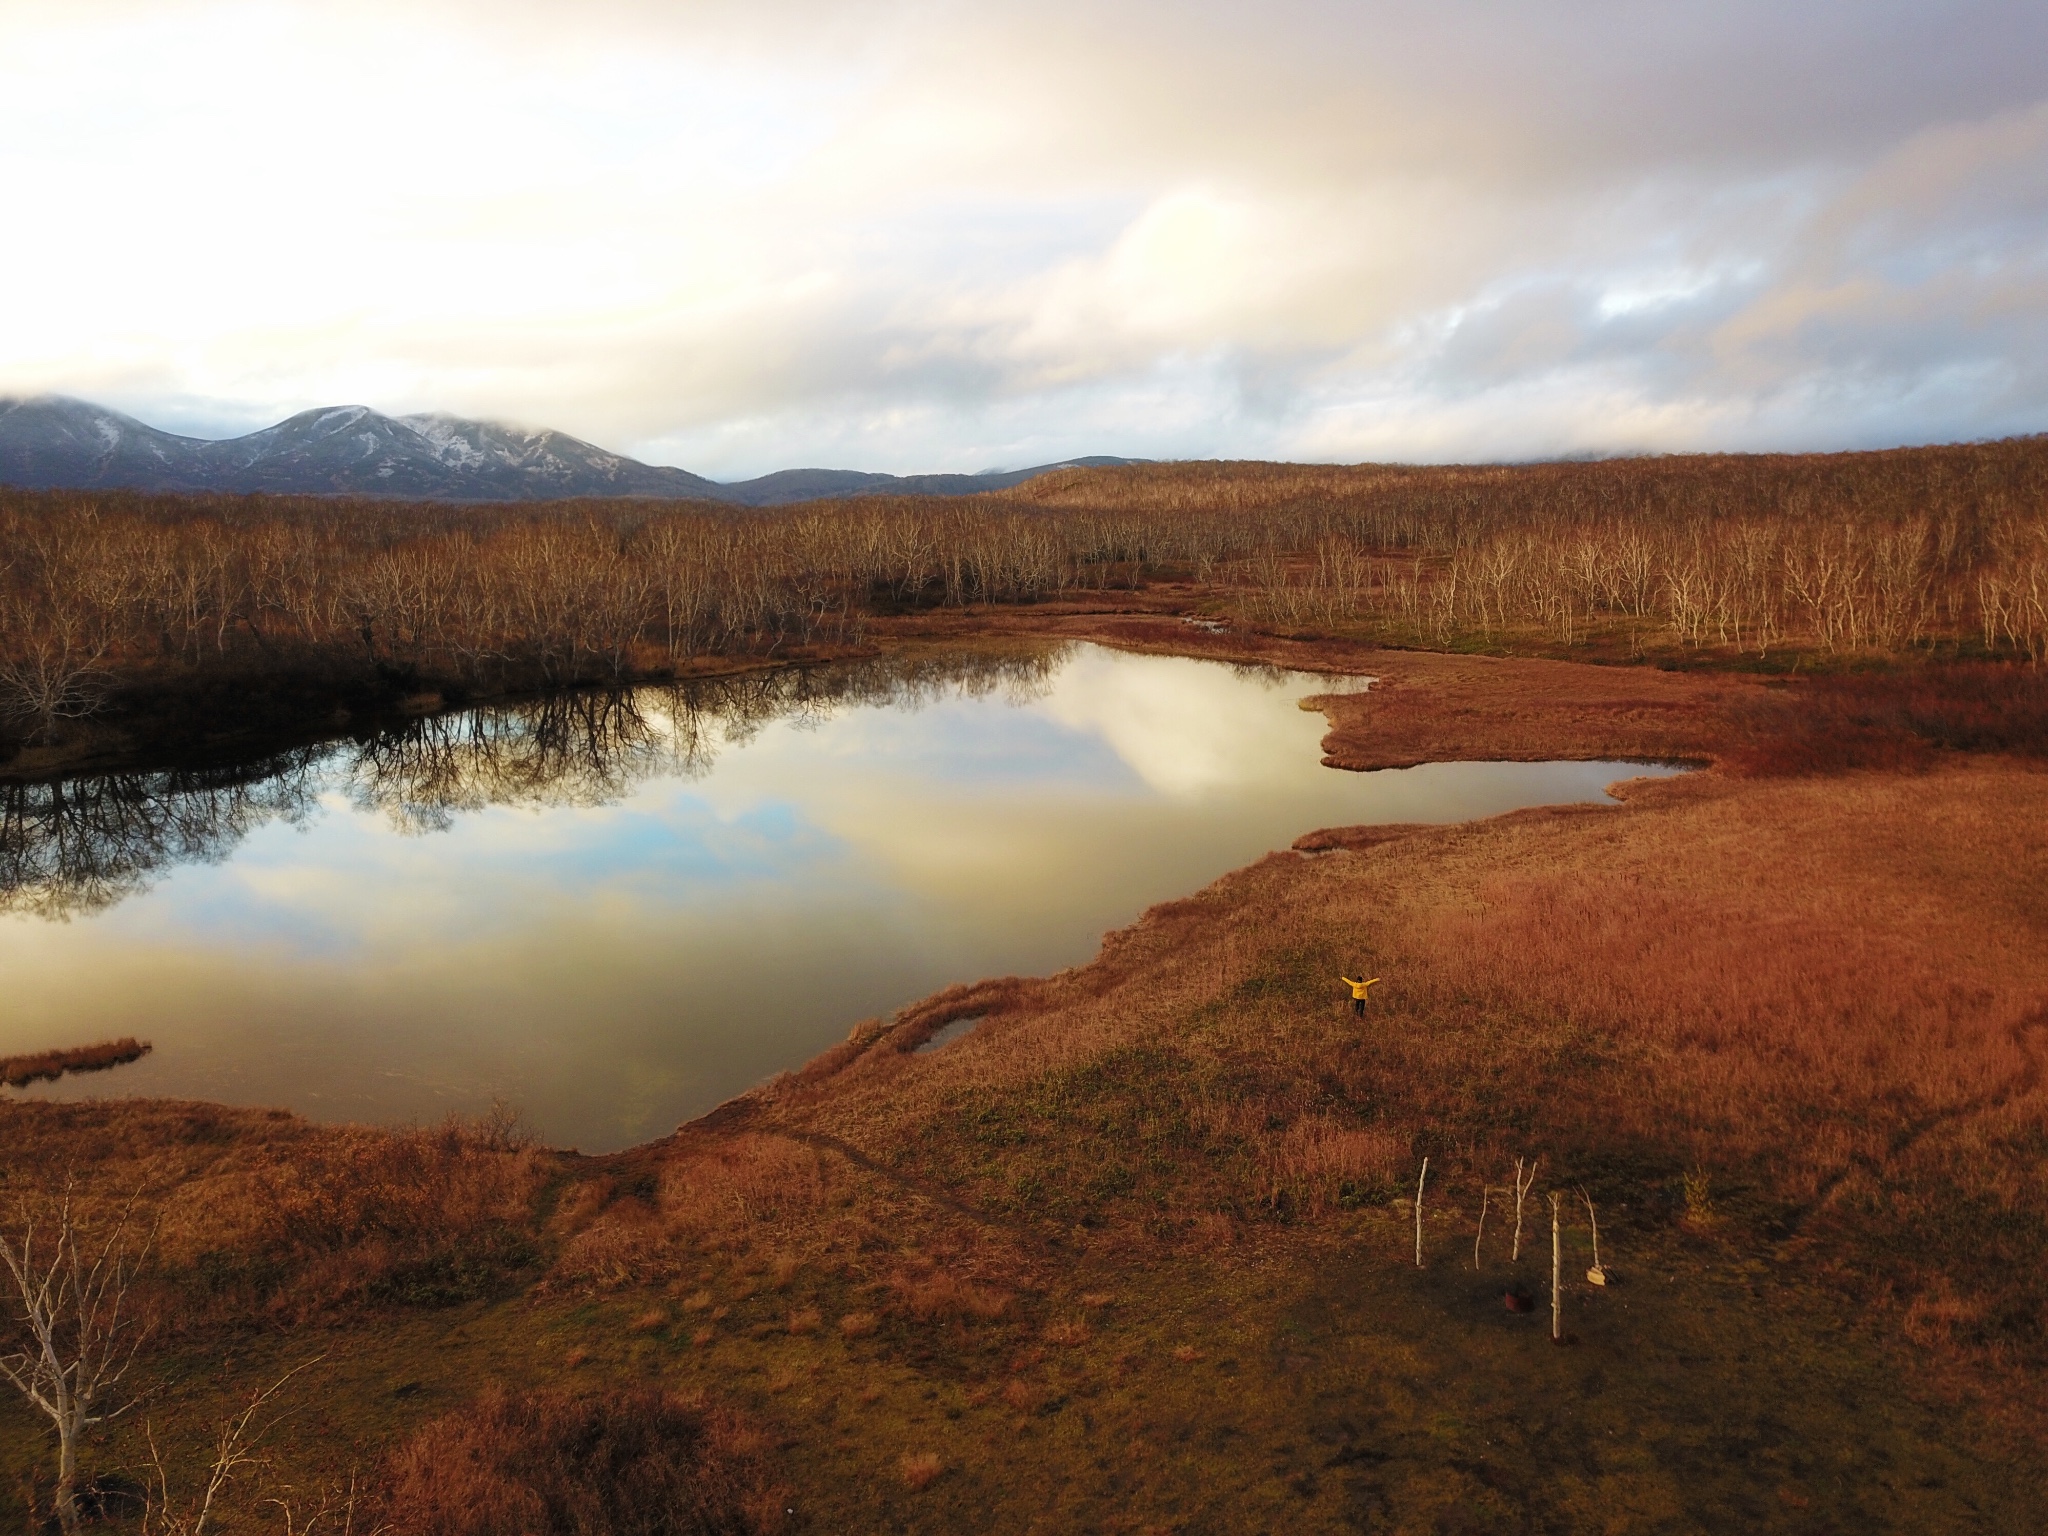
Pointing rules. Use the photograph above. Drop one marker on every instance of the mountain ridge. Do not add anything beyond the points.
(54, 442)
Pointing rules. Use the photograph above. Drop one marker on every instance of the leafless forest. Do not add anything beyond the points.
(1937, 551)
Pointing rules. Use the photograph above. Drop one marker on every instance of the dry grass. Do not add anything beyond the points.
(919, 1469)
(1434, 708)
(47, 1066)
(629, 1460)
(1896, 720)
(257, 1212)
(930, 1294)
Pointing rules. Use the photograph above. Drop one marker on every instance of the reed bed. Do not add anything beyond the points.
(48, 1066)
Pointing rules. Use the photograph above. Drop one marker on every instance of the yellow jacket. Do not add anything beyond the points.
(1357, 987)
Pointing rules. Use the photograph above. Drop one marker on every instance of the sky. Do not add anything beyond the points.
(914, 235)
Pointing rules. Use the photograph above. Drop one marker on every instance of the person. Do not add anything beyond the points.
(1357, 993)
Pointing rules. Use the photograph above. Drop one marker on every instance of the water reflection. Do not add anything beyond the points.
(81, 845)
(616, 910)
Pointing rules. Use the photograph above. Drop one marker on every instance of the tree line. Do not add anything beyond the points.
(103, 595)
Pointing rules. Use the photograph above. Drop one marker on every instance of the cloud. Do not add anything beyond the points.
(912, 234)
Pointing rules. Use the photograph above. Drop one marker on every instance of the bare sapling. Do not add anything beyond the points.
(234, 1450)
(71, 1290)
(335, 1513)
(1556, 1270)
(1418, 1211)
(1597, 1274)
(1485, 1195)
(1522, 1188)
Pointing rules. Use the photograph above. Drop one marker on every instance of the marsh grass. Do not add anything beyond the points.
(623, 1460)
(47, 1066)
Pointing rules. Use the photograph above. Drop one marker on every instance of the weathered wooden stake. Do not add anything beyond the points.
(1556, 1271)
(1597, 1274)
(1485, 1194)
(1418, 1211)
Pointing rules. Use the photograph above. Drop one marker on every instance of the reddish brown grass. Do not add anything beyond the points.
(1431, 708)
(47, 1066)
(1897, 720)
(919, 1469)
(630, 1460)
(930, 1296)
(1024, 1396)
(257, 1212)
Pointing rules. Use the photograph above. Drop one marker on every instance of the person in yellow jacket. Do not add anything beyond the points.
(1358, 989)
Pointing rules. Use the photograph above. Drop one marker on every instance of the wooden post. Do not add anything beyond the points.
(1418, 1211)
(1598, 1273)
(1556, 1271)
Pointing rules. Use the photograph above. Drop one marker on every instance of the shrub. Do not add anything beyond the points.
(629, 1462)
(1899, 720)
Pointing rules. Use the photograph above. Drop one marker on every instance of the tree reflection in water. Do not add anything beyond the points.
(80, 845)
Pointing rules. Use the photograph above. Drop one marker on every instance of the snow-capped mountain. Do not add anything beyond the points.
(51, 441)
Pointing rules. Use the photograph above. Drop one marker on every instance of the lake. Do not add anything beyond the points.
(612, 912)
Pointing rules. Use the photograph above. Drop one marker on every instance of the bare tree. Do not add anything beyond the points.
(72, 1290)
(1598, 1273)
(1522, 1188)
(335, 1513)
(1418, 1211)
(234, 1451)
(50, 670)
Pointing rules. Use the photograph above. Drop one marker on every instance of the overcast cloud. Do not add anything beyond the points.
(918, 236)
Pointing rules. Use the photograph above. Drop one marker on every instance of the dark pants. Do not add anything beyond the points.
(1358, 1006)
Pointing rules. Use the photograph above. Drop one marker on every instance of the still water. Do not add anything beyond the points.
(612, 913)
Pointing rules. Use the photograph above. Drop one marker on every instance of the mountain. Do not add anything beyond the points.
(787, 485)
(50, 441)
